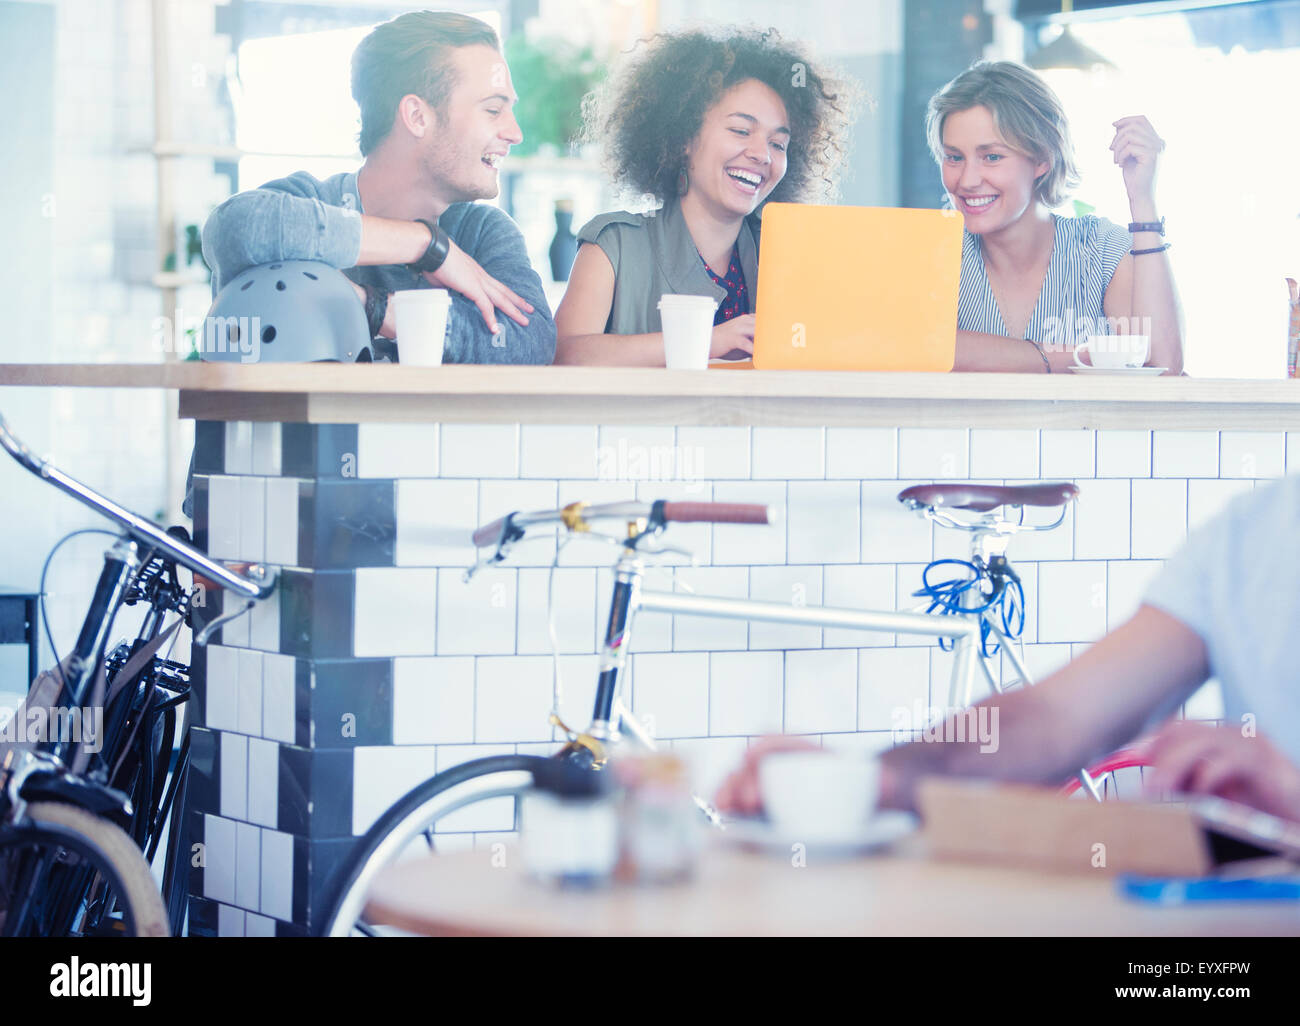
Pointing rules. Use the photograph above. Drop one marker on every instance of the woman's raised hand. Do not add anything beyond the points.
(1137, 149)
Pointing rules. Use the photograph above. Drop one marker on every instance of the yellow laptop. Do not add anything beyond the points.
(857, 288)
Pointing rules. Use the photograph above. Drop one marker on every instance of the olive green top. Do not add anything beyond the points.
(654, 254)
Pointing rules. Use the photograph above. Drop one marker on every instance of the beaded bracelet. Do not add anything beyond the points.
(1153, 249)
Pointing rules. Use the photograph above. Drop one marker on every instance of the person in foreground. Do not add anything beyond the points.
(436, 123)
(711, 127)
(1224, 606)
(1034, 284)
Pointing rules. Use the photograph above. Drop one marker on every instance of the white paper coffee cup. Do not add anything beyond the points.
(421, 323)
(688, 330)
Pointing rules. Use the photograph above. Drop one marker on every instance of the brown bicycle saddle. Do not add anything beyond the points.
(982, 498)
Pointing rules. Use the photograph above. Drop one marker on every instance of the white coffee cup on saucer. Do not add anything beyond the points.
(814, 796)
(688, 330)
(1114, 352)
(421, 324)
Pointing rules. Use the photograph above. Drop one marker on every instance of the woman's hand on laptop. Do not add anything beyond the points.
(461, 273)
(733, 339)
(1195, 758)
(739, 792)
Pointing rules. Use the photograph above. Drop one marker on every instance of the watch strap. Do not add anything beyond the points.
(439, 247)
(1148, 226)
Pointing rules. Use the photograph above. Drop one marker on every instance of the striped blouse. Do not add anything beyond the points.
(1085, 254)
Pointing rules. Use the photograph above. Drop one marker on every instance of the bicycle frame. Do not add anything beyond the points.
(629, 598)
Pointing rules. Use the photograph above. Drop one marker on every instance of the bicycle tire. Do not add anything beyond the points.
(1124, 758)
(102, 847)
(411, 816)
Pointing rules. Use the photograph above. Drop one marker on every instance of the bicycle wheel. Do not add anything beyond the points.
(65, 872)
(1106, 773)
(415, 815)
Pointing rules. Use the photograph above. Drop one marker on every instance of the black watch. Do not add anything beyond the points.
(1148, 226)
(439, 247)
(376, 308)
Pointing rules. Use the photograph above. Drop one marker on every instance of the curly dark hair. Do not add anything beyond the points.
(651, 108)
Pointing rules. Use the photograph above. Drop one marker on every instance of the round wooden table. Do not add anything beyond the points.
(485, 892)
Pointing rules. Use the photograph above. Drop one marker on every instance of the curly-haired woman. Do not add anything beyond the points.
(712, 125)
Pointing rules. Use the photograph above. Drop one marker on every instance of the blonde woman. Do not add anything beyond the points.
(1030, 279)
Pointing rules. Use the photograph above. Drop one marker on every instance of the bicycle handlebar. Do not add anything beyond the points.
(257, 586)
(667, 512)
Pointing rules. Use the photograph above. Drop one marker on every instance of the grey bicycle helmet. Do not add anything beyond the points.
(294, 311)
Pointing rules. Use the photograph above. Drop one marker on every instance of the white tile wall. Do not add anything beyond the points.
(512, 698)
(707, 633)
(219, 860)
(891, 533)
(282, 521)
(395, 611)
(574, 603)
(789, 453)
(1067, 455)
(1123, 453)
(277, 874)
(671, 693)
(435, 520)
(557, 451)
(746, 690)
(795, 586)
(1101, 520)
(1252, 454)
(937, 454)
(821, 690)
(478, 617)
(433, 700)
(1185, 454)
(277, 696)
(825, 521)
(234, 775)
(862, 452)
(1206, 499)
(480, 450)
(716, 453)
(397, 450)
(263, 781)
(1159, 517)
(1071, 601)
(750, 544)
(998, 453)
(860, 587)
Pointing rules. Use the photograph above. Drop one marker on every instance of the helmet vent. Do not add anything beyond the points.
(279, 286)
(275, 267)
(246, 286)
(308, 274)
(268, 333)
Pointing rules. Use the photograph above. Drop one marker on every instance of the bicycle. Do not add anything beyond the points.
(978, 614)
(81, 816)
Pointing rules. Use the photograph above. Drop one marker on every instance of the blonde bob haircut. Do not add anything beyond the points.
(1028, 115)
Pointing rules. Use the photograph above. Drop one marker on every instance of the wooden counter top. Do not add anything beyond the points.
(333, 393)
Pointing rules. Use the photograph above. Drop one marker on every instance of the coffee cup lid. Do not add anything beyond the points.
(677, 299)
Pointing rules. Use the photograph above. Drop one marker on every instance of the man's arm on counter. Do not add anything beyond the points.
(491, 238)
(1130, 679)
(287, 220)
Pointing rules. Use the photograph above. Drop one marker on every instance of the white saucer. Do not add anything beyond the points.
(884, 828)
(1136, 372)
